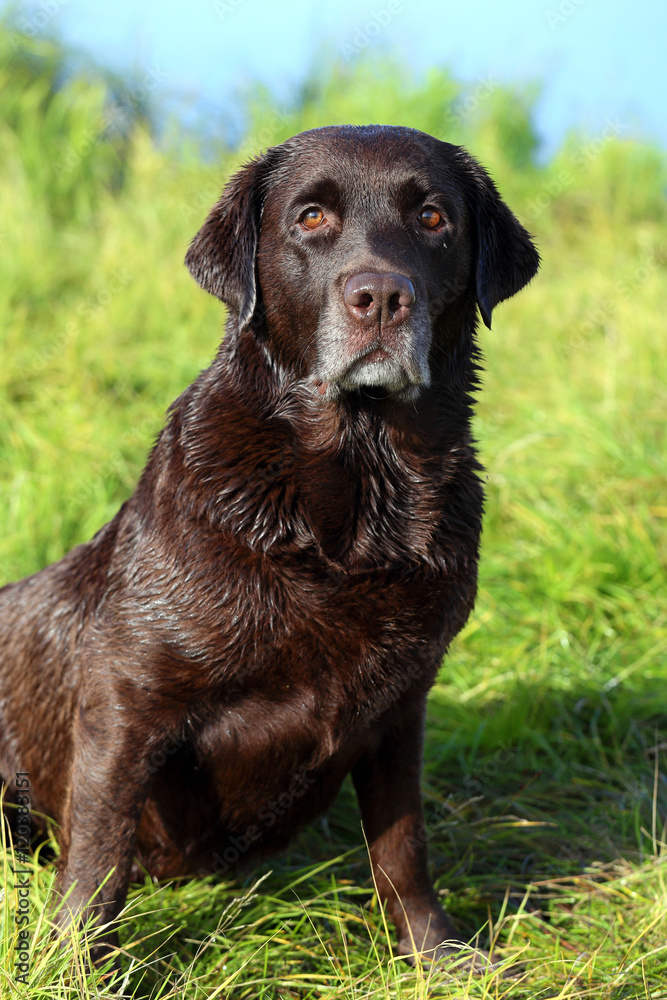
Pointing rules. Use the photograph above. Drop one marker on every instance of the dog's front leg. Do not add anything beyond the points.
(387, 784)
(108, 784)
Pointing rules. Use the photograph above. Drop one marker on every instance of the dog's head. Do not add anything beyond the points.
(346, 248)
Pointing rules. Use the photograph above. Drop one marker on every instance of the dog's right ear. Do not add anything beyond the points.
(222, 255)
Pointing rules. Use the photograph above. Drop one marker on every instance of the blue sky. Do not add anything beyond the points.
(598, 59)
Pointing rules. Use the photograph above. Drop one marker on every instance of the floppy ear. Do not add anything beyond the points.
(506, 256)
(221, 256)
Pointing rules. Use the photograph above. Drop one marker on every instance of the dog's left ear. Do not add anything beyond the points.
(222, 255)
(506, 256)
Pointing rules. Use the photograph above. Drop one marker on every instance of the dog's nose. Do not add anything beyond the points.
(374, 298)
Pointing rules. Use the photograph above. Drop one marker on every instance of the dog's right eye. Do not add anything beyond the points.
(312, 218)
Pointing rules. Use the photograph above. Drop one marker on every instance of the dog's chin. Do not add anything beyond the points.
(376, 375)
(385, 372)
(383, 376)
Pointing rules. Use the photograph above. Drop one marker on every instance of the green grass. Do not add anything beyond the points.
(544, 777)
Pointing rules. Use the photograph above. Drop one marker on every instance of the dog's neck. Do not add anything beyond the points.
(365, 482)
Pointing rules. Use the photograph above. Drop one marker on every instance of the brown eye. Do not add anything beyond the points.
(313, 218)
(430, 218)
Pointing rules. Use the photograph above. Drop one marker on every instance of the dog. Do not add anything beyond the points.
(268, 611)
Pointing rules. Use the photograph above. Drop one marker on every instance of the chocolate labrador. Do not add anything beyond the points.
(269, 609)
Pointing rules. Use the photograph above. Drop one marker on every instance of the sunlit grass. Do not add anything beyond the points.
(545, 753)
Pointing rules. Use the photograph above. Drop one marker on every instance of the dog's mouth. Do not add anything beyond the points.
(376, 371)
(377, 367)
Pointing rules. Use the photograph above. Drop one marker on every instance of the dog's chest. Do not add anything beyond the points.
(289, 742)
(309, 672)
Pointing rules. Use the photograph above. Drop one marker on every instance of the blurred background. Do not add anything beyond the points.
(119, 124)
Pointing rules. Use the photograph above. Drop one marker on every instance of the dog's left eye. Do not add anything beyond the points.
(430, 218)
(312, 218)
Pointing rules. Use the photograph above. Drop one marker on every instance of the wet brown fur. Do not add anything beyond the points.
(269, 609)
